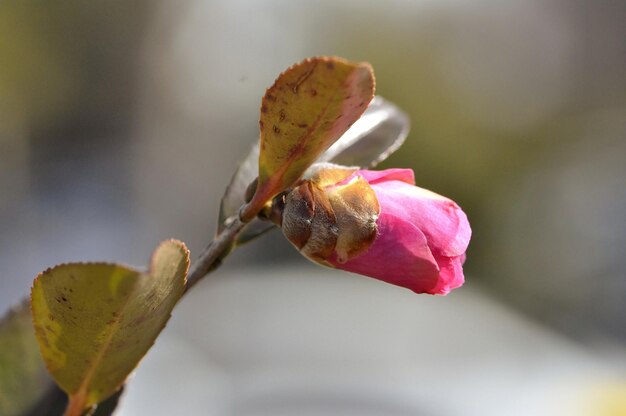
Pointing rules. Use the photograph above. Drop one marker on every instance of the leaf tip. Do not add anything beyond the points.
(171, 250)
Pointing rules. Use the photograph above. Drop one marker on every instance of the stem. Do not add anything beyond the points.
(211, 258)
(75, 405)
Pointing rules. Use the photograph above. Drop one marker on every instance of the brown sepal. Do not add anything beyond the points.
(356, 209)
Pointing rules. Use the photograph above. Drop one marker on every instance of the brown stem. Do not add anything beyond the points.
(212, 256)
(75, 405)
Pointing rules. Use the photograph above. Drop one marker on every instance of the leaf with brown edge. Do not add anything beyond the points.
(95, 321)
(307, 109)
(378, 133)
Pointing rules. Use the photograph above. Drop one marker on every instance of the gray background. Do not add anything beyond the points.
(120, 124)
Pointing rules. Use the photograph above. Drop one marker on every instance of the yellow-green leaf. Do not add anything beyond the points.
(95, 321)
(307, 109)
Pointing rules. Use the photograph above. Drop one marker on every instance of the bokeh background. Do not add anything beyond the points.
(121, 123)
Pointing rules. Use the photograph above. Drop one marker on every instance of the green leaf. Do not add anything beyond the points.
(307, 109)
(95, 321)
(24, 379)
(379, 132)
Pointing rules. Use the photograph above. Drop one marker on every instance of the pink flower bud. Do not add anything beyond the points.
(391, 230)
(421, 240)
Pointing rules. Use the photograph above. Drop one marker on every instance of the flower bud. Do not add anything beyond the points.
(379, 224)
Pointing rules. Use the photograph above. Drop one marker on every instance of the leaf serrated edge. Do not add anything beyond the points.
(311, 59)
(183, 249)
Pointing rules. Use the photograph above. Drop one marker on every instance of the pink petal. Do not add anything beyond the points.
(450, 275)
(380, 176)
(399, 255)
(441, 220)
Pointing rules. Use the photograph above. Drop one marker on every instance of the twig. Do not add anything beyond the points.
(211, 257)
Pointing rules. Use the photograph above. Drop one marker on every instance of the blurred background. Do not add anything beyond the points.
(121, 123)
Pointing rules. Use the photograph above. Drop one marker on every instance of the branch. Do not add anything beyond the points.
(211, 258)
